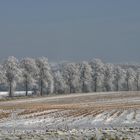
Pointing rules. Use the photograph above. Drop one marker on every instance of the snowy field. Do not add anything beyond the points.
(17, 93)
(76, 116)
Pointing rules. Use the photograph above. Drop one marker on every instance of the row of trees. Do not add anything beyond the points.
(29, 73)
(39, 75)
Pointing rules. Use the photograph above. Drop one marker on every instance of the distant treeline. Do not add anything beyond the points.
(43, 78)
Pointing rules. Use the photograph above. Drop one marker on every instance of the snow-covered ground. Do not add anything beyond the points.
(77, 115)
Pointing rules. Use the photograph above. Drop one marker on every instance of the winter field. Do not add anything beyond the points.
(76, 116)
(17, 93)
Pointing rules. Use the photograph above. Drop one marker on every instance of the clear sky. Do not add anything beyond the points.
(72, 30)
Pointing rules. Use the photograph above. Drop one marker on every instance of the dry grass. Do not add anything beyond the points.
(4, 115)
(75, 110)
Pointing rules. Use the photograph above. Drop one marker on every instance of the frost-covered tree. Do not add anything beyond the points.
(108, 77)
(118, 75)
(29, 72)
(44, 75)
(97, 73)
(59, 83)
(12, 73)
(2, 75)
(71, 76)
(85, 76)
(137, 78)
(67, 77)
(129, 78)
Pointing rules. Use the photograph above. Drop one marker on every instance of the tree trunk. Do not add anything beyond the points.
(26, 87)
(137, 85)
(95, 89)
(127, 85)
(83, 87)
(117, 86)
(41, 87)
(71, 87)
(83, 82)
(10, 90)
(107, 88)
(70, 90)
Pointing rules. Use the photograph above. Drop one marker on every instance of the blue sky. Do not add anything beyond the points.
(72, 30)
